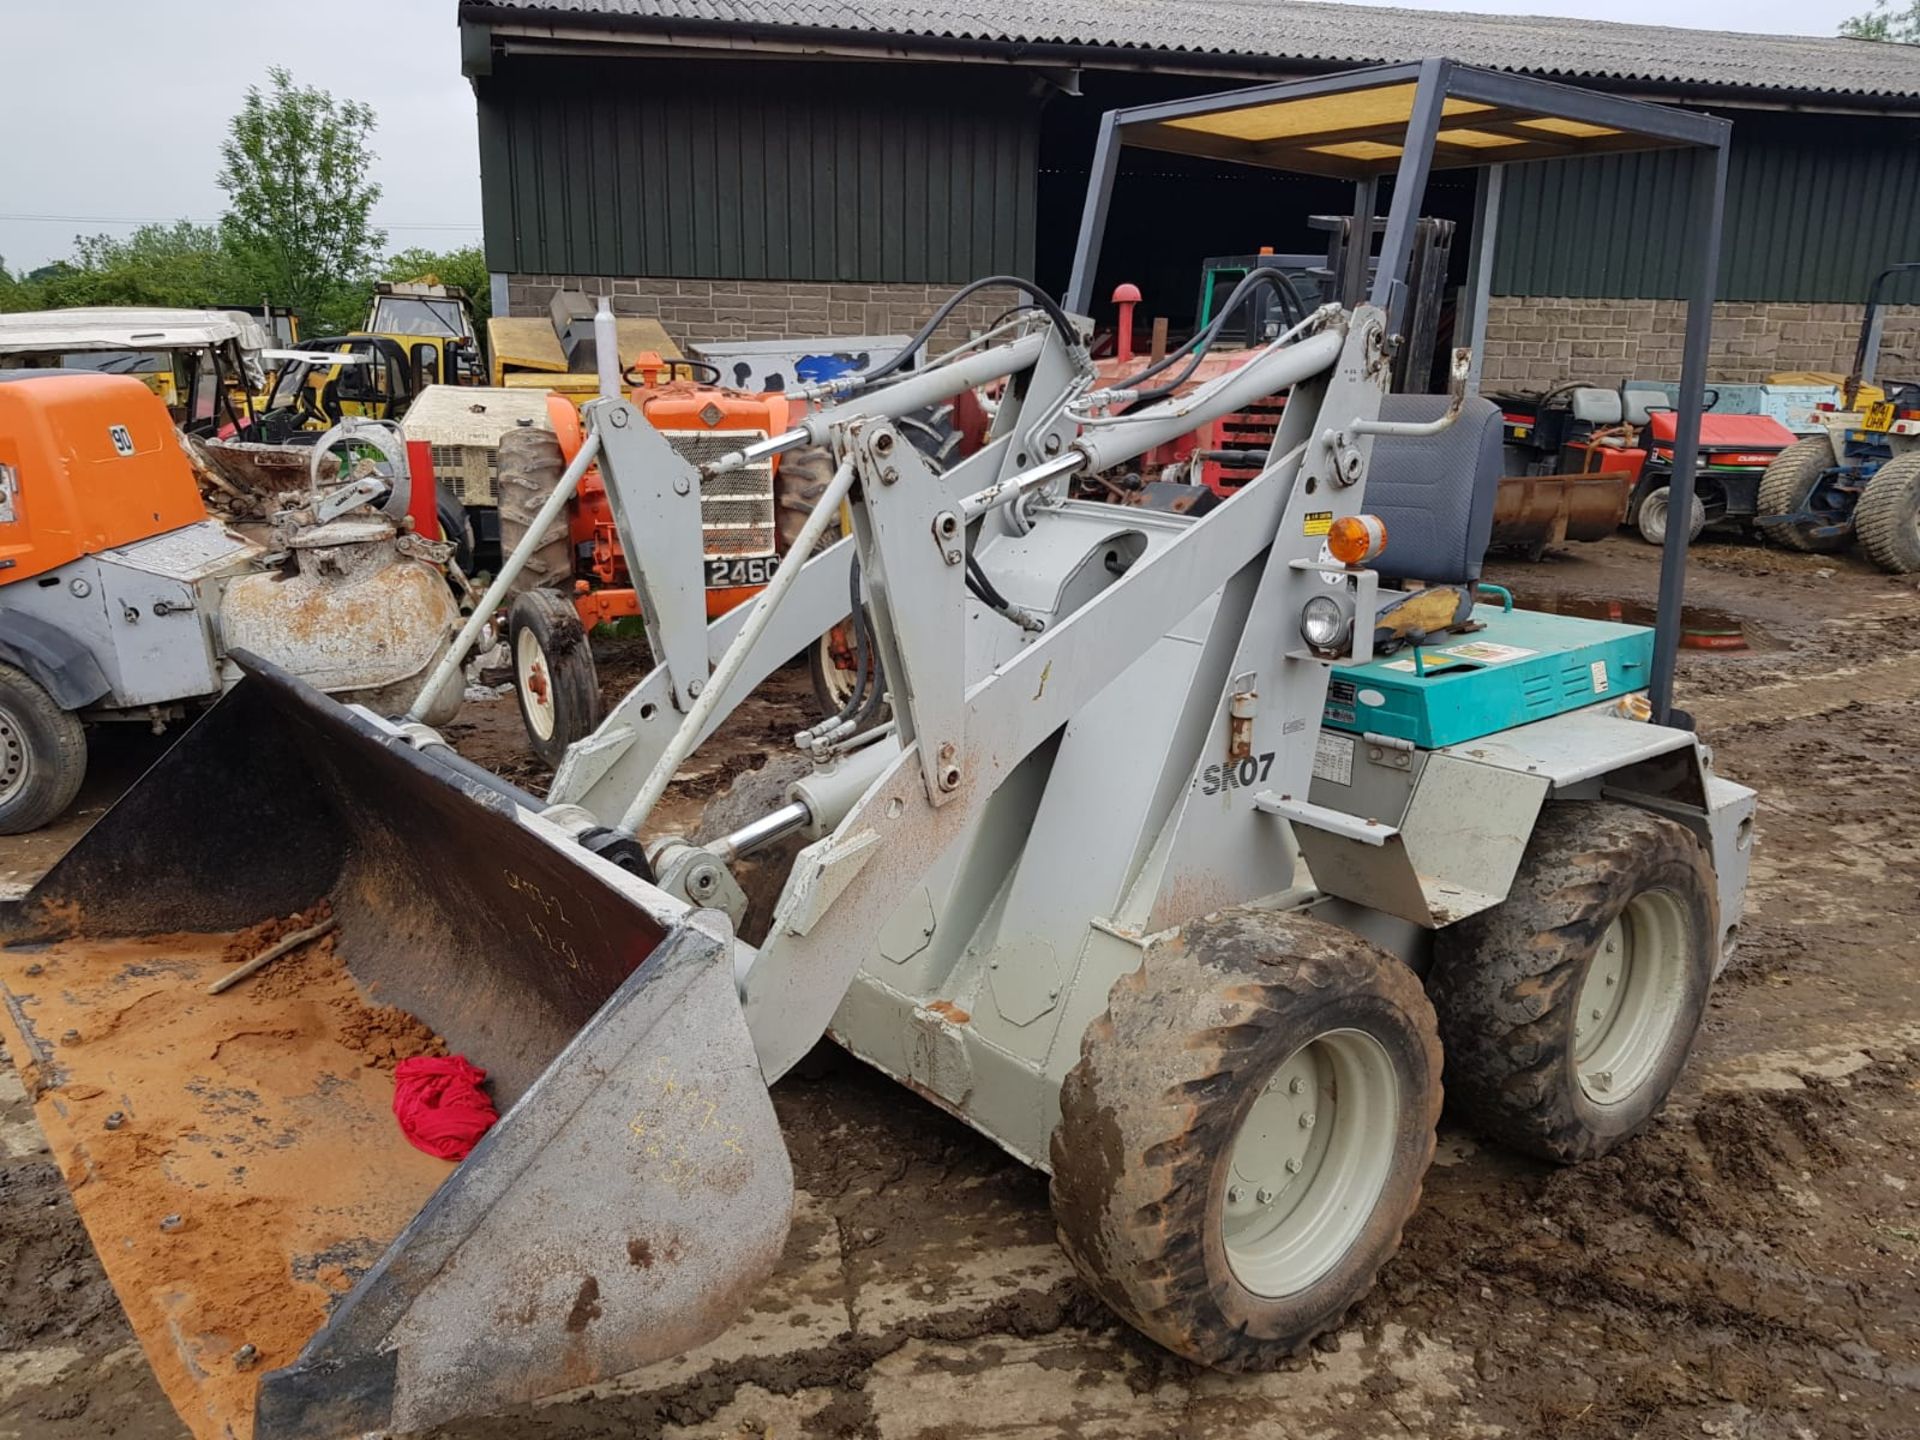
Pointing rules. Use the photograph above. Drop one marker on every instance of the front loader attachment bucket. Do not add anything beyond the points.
(293, 1266)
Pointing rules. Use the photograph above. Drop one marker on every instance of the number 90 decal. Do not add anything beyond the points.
(1235, 774)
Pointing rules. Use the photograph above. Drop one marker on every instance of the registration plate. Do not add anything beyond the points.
(726, 572)
(1880, 416)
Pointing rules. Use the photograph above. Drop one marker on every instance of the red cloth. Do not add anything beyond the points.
(440, 1106)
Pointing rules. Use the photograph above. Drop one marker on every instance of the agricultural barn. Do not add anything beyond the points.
(747, 168)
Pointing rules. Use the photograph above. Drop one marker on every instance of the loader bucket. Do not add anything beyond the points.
(1531, 511)
(294, 1268)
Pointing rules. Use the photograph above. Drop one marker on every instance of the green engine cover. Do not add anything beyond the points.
(1523, 666)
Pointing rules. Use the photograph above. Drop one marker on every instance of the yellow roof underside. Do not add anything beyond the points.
(1319, 114)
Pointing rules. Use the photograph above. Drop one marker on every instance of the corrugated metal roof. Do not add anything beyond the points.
(1343, 34)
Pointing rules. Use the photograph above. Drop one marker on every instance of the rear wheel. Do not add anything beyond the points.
(1246, 1133)
(529, 465)
(43, 754)
(1656, 506)
(1569, 1010)
(1887, 520)
(1786, 487)
(553, 673)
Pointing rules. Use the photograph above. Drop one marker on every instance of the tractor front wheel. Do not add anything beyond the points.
(1246, 1133)
(1786, 489)
(43, 754)
(553, 672)
(1569, 1010)
(1887, 519)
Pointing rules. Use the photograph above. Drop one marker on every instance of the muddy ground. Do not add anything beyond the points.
(1749, 1267)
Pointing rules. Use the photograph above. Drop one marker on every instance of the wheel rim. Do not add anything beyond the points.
(1630, 999)
(1653, 515)
(1309, 1162)
(837, 678)
(16, 760)
(536, 684)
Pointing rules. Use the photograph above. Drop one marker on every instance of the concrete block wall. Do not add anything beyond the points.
(701, 310)
(1531, 343)
(1534, 343)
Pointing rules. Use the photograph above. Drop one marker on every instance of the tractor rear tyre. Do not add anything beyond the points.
(1887, 519)
(1651, 516)
(528, 464)
(1568, 1011)
(1246, 1133)
(553, 672)
(43, 754)
(1789, 480)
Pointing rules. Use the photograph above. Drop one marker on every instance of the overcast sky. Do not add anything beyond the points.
(117, 107)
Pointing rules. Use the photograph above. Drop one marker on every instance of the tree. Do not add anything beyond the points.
(1886, 22)
(179, 264)
(295, 168)
(466, 267)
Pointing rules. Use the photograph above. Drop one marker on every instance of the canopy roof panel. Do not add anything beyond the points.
(1355, 124)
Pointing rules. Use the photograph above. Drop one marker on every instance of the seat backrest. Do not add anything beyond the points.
(1436, 492)
(1596, 406)
(1641, 401)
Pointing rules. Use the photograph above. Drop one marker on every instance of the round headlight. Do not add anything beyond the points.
(1324, 625)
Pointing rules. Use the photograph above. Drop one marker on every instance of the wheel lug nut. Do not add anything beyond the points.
(1263, 1195)
(1306, 1121)
(1293, 1167)
(1296, 1086)
(1235, 1194)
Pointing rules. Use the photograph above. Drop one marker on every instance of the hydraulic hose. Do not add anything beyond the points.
(1202, 342)
(1026, 287)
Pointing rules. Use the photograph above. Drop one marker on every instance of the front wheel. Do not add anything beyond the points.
(1568, 1011)
(553, 673)
(1246, 1133)
(1653, 512)
(43, 754)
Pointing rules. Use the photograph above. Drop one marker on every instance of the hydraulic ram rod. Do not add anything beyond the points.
(826, 511)
(903, 397)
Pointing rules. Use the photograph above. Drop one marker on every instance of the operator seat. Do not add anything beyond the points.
(1436, 495)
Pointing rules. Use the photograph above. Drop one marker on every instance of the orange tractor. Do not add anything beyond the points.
(578, 577)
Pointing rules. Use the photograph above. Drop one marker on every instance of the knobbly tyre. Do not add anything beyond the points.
(1172, 820)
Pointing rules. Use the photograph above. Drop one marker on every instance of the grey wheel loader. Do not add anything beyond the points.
(1192, 852)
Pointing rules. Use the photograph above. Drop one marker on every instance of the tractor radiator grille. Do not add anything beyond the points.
(470, 471)
(736, 510)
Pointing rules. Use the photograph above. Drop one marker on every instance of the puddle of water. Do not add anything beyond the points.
(1700, 628)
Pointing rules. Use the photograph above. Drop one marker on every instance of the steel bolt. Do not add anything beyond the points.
(1306, 1121)
(70, 1036)
(618, 417)
(115, 1120)
(681, 485)
(1263, 1195)
(883, 443)
(1235, 1194)
(1611, 979)
(1603, 1081)
(246, 1355)
(1293, 1167)
(170, 1222)
(694, 687)
(1296, 1086)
